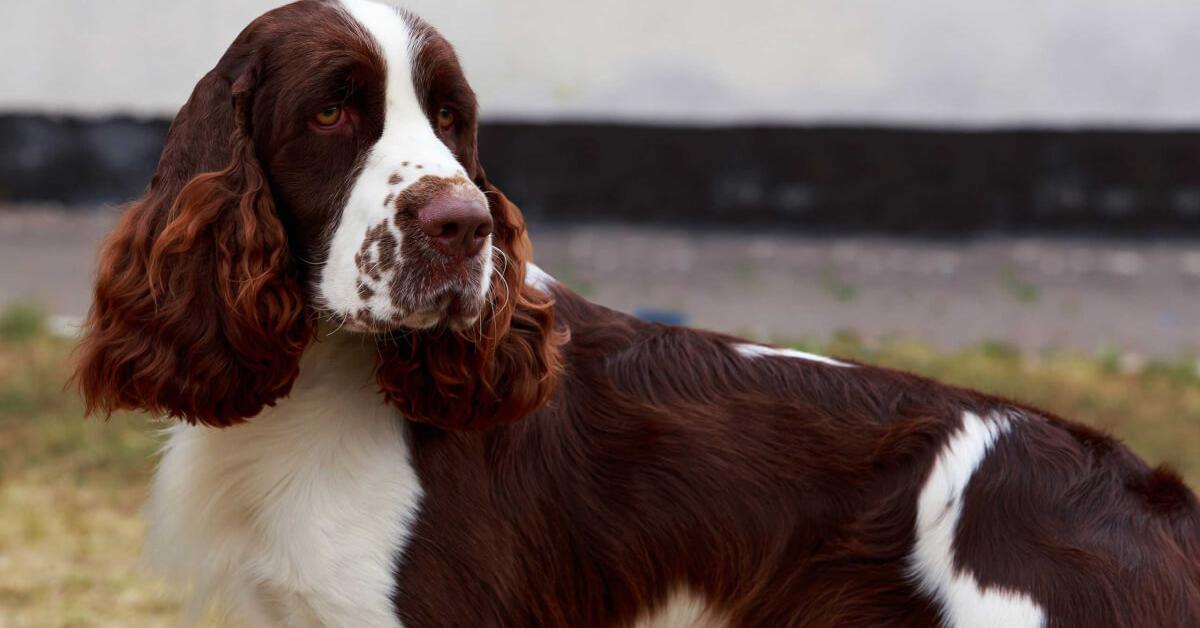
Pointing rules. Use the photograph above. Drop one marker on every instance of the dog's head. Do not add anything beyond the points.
(326, 169)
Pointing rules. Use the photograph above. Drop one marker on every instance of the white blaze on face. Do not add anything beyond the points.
(407, 150)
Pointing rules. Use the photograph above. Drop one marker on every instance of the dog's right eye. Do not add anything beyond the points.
(328, 117)
(445, 119)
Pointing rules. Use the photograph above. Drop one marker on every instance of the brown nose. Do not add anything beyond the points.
(457, 226)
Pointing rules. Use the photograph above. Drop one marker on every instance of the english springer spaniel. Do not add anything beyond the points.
(388, 416)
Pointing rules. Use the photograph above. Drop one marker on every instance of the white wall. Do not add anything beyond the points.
(939, 61)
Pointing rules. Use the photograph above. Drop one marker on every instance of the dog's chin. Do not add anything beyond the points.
(455, 312)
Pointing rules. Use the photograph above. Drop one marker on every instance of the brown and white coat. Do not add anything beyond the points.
(388, 416)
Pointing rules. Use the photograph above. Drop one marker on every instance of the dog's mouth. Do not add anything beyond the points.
(455, 308)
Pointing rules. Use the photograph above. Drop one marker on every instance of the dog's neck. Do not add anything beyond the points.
(303, 509)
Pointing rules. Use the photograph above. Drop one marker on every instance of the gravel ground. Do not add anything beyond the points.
(1142, 297)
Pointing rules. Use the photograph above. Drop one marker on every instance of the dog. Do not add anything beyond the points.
(386, 415)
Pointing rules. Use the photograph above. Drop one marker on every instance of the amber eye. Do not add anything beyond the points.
(445, 119)
(328, 116)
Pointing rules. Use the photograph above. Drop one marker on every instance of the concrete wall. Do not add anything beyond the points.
(933, 61)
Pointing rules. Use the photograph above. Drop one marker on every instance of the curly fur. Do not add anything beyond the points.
(495, 373)
(197, 314)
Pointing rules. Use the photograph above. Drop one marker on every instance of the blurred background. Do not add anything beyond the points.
(1004, 194)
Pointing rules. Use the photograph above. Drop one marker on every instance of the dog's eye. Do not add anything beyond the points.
(445, 119)
(328, 116)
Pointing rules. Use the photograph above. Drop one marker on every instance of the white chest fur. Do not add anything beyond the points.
(296, 518)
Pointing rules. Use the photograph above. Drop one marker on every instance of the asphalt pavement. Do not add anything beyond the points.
(1137, 296)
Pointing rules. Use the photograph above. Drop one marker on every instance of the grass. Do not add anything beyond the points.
(71, 489)
(569, 277)
(70, 494)
(23, 321)
(1020, 289)
(833, 285)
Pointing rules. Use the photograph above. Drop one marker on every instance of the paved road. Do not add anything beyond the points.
(1142, 297)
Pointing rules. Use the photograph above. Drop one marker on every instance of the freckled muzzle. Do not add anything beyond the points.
(429, 261)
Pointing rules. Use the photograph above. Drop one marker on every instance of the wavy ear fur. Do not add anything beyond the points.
(494, 374)
(196, 314)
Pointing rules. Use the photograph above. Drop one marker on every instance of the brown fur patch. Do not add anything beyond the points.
(1165, 492)
(364, 291)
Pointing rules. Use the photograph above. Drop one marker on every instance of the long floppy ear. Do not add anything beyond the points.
(197, 314)
(496, 373)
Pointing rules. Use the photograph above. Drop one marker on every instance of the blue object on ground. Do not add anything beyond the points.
(666, 317)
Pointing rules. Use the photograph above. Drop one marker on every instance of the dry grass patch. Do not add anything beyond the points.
(70, 495)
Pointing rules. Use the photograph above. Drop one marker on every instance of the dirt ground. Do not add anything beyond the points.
(1138, 297)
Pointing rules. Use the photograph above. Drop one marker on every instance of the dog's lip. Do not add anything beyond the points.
(357, 325)
(454, 309)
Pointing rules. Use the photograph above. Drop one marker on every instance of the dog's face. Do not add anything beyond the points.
(325, 169)
(366, 129)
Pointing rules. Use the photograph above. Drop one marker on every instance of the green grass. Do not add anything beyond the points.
(833, 285)
(746, 272)
(569, 277)
(21, 322)
(71, 489)
(1020, 289)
